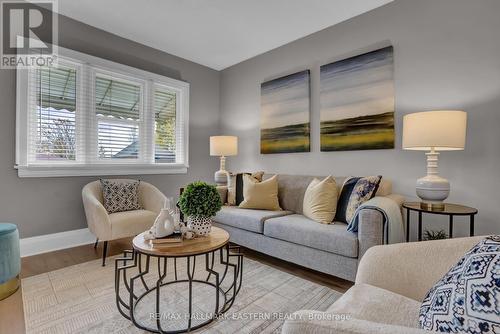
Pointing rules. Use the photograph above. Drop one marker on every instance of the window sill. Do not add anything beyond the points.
(99, 170)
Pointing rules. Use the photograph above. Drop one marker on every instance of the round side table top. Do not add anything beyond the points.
(199, 245)
(449, 209)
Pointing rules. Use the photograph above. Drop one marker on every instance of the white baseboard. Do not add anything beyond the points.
(52, 242)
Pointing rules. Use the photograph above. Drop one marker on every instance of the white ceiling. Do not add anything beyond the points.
(214, 33)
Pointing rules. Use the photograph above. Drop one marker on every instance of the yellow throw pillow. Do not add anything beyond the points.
(260, 195)
(235, 186)
(320, 200)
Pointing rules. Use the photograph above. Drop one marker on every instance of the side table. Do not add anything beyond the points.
(449, 210)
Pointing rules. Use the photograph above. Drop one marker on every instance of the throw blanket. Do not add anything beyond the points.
(394, 229)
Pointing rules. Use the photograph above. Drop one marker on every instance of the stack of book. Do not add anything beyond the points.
(169, 239)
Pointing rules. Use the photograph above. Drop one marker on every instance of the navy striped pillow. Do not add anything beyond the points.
(355, 191)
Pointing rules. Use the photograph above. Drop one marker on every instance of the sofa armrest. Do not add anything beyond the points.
(370, 230)
(324, 322)
(411, 269)
(399, 199)
(97, 216)
(151, 197)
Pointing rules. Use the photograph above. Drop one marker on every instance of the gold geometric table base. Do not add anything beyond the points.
(9, 287)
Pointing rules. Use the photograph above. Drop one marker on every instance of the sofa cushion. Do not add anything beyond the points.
(367, 302)
(246, 219)
(129, 223)
(333, 238)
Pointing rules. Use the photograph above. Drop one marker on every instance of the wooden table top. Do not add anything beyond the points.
(449, 209)
(199, 245)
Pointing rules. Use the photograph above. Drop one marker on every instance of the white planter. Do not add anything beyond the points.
(200, 225)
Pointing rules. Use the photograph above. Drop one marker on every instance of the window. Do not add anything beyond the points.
(118, 108)
(54, 115)
(165, 105)
(90, 116)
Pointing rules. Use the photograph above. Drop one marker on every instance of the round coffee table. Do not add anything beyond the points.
(134, 291)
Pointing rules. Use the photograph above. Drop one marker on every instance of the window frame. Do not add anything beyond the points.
(85, 164)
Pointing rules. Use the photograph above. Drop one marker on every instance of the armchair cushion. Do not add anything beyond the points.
(316, 322)
(367, 302)
(398, 267)
(127, 223)
(120, 195)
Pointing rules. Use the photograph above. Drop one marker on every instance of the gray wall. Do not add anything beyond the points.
(447, 55)
(48, 205)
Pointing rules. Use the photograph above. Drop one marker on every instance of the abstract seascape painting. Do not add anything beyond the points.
(357, 102)
(285, 114)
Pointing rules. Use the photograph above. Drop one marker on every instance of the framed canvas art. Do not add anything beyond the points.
(285, 112)
(357, 102)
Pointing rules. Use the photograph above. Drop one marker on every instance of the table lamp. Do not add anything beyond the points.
(223, 146)
(434, 131)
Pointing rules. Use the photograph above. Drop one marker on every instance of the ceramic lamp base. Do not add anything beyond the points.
(222, 174)
(432, 206)
(433, 190)
(220, 177)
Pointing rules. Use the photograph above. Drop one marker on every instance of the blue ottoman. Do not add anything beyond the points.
(10, 260)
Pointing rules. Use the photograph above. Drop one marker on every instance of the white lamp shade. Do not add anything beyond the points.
(223, 145)
(442, 130)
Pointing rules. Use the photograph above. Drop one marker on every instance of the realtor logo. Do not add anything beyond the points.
(29, 33)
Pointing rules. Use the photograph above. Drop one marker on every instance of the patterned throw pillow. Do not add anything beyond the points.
(355, 191)
(467, 298)
(120, 195)
(235, 186)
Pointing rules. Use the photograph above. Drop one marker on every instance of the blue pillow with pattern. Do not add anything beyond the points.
(467, 298)
(355, 191)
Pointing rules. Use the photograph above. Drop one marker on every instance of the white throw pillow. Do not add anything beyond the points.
(320, 200)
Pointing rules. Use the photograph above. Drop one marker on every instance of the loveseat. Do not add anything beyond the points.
(290, 236)
(391, 283)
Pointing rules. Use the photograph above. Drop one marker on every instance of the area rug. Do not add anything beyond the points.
(81, 299)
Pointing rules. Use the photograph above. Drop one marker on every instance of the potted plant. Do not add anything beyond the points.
(435, 235)
(200, 202)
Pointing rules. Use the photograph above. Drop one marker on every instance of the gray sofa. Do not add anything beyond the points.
(290, 236)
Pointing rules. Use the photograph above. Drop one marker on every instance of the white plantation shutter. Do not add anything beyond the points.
(86, 114)
(52, 114)
(170, 123)
(119, 113)
(165, 136)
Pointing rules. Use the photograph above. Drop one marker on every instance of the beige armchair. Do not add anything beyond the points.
(391, 282)
(118, 225)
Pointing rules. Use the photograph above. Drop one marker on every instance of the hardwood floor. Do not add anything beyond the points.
(11, 309)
